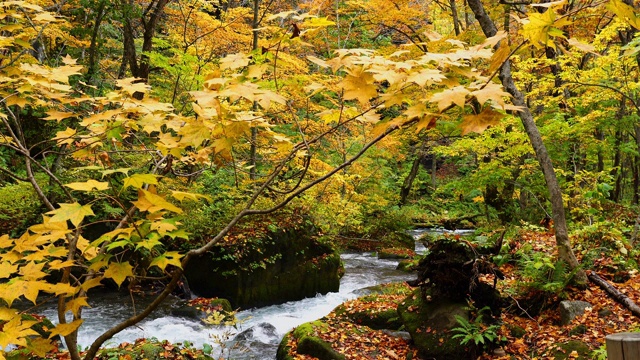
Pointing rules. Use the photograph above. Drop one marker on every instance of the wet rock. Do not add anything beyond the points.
(287, 266)
(308, 344)
(399, 334)
(249, 334)
(569, 310)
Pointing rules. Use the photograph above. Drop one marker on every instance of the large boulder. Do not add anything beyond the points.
(431, 325)
(279, 267)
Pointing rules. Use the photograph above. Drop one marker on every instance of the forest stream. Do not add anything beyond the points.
(259, 330)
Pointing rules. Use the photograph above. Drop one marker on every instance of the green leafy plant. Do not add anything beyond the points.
(477, 331)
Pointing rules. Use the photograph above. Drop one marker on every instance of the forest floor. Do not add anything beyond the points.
(542, 334)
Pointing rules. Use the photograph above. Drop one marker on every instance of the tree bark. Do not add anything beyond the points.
(454, 15)
(615, 293)
(555, 193)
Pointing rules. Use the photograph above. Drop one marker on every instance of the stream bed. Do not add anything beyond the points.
(259, 330)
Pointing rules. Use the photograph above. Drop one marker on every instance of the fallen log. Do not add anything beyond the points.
(615, 293)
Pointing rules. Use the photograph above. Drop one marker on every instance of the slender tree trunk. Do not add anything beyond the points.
(408, 181)
(454, 15)
(636, 167)
(555, 194)
(253, 151)
(92, 67)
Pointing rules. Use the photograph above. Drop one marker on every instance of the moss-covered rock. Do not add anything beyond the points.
(573, 349)
(308, 343)
(396, 253)
(151, 349)
(285, 266)
(376, 311)
(430, 325)
(407, 265)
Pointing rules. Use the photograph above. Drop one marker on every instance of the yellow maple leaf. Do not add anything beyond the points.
(39, 346)
(480, 122)
(65, 136)
(133, 85)
(65, 329)
(58, 115)
(89, 185)
(426, 77)
(181, 195)
(74, 305)
(234, 61)
(72, 212)
(359, 84)
(150, 202)
(624, 11)
(168, 258)
(541, 28)
(15, 332)
(7, 269)
(499, 56)
(138, 180)
(491, 91)
(118, 272)
(456, 95)
(32, 271)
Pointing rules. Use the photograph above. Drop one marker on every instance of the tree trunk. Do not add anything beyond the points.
(92, 67)
(408, 181)
(454, 15)
(555, 194)
(253, 151)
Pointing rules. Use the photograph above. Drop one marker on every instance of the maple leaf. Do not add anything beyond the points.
(479, 123)
(138, 180)
(491, 91)
(499, 56)
(234, 61)
(7, 270)
(181, 195)
(359, 84)
(72, 212)
(118, 272)
(40, 346)
(89, 185)
(426, 77)
(65, 329)
(150, 202)
(168, 258)
(15, 332)
(74, 305)
(456, 95)
(133, 85)
(58, 115)
(66, 136)
(624, 12)
(542, 27)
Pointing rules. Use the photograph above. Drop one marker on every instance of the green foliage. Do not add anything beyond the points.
(20, 207)
(476, 331)
(600, 353)
(541, 272)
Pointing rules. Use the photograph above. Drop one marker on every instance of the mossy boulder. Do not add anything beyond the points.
(376, 311)
(308, 343)
(201, 308)
(407, 265)
(572, 349)
(151, 349)
(430, 324)
(278, 267)
(396, 253)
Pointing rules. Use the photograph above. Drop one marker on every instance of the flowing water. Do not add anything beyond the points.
(259, 330)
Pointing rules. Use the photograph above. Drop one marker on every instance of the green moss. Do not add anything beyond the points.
(430, 325)
(283, 348)
(564, 351)
(309, 344)
(407, 265)
(19, 208)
